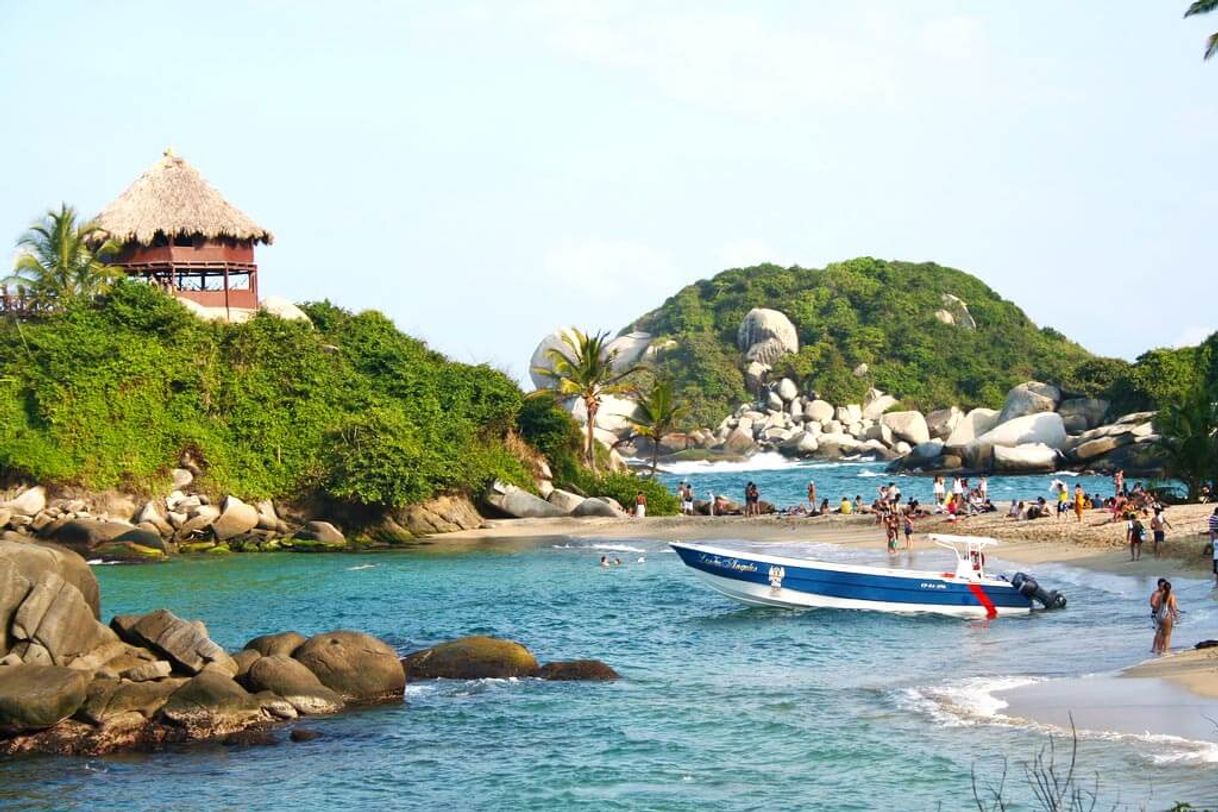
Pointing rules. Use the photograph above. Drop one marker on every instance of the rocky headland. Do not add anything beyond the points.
(70, 684)
(1039, 427)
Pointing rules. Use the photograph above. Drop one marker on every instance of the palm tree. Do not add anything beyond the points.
(61, 260)
(1205, 7)
(657, 415)
(585, 369)
(1188, 428)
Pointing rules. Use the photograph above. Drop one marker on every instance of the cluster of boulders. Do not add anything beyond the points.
(1036, 430)
(70, 684)
(1039, 430)
(117, 527)
(517, 503)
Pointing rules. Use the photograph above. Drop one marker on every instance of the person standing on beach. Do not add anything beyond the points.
(1136, 534)
(957, 487)
(811, 494)
(983, 487)
(1079, 499)
(940, 490)
(640, 505)
(1118, 482)
(1166, 615)
(1158, 527)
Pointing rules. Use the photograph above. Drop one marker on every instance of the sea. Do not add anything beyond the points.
(720, 706)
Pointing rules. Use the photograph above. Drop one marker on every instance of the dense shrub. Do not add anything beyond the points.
(110, 394)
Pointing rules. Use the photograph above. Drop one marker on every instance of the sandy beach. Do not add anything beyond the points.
(1172, 695)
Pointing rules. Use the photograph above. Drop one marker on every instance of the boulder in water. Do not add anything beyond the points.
(589, 670)
(34, 697)
(356, 666)
(477, 657)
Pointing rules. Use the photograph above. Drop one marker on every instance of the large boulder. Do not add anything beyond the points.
(290, 679)
(564, 500)
(1045, 428)
(972, 426)
(908, 426)
(615, 415)
(356, 666)
(923, 453)
(755, 375)
(13, 589)
(626, 351)
(1082, 414)
(150, 514)
(211, 704)
(477, 657)
(787, 390)
(874, 405)
(849, 414)
(284, 643)
(519, 504)
(29, 502)
(819, 411)
(236, 518)
(629, 349)
(54, 624)
(283, 308)
(31, 561)
(1023, 459)
(834, 445)
(81, 536)
(942, 422)
(1098, 447)
(598, 506)
(108, 699)
(766, 335)
(184, 643)
(34, 697)
(1029, 398)
(587, 670)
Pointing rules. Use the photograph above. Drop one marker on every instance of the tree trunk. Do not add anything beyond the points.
(592, 407)
(655, 456)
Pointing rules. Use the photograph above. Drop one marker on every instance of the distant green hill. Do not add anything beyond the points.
(868, 311)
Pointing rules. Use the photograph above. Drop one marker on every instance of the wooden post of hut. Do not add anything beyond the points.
(178, 232)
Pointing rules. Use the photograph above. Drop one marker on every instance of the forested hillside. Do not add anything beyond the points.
(887, 315)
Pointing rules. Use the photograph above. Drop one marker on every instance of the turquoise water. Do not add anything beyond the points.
(722, 707)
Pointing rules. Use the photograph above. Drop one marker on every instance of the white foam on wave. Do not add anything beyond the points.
(97, 562)
(869, 474)
(765, 461)
(361, 567)
(617, 548)
(972, 702)
(967, 702)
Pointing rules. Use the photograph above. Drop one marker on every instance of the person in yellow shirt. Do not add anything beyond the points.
(1079, 499)
(847, 506)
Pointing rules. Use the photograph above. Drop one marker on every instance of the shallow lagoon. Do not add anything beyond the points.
(721, 707)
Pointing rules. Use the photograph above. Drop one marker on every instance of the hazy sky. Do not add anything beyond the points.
(486, 172)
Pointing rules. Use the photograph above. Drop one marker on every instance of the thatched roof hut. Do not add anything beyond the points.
(172, 198)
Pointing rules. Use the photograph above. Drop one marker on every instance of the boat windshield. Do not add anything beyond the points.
(970, 553)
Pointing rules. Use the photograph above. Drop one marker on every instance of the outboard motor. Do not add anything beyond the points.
(1048, 598)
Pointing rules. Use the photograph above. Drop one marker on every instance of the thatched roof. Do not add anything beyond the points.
(174, 199)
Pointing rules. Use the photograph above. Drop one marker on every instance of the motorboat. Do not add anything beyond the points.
(761, 579)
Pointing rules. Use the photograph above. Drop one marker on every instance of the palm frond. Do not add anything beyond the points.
(1201, 7)
(1211, 47)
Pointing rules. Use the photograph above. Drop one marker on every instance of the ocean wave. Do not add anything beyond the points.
(973, 701)
(361, 567)
(97, 562)
(765, 461)
(617, 548)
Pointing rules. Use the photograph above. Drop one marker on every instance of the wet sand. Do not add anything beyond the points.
(1150, 705)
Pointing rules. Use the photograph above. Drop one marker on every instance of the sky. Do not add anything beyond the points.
(487, 172)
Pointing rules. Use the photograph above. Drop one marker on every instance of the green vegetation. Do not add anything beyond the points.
(60, 260)
(1205, 7)
(863, 311)
(109, 393)
(585, 370)
(658, 414)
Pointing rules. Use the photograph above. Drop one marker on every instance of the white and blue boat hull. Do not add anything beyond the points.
(766, 580)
